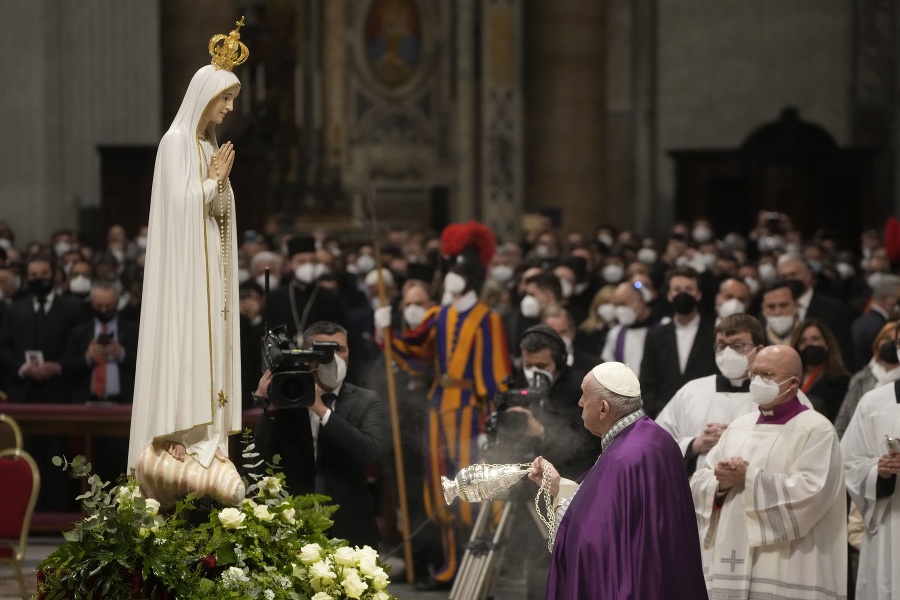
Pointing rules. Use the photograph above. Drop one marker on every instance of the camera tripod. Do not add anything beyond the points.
(481, 562)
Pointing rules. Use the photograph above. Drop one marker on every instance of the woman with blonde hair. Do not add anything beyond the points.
(600, 318)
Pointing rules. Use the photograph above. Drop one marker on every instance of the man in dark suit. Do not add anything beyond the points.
(812, 304)
(326, 447)
(38, 324)
(100, 358)
(101, 354)
(865, 328)
(680, 350)
(303, 301)
(32, 345)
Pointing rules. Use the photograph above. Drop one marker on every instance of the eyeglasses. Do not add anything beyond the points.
(767, 376)
(739, 347)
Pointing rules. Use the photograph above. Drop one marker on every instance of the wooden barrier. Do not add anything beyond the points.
(88, 422)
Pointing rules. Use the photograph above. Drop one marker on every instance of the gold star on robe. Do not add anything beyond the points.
(223, 397)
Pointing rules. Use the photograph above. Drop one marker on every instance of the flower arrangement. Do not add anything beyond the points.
(272, 547)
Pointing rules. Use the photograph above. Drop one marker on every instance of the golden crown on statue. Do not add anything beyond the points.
(228, 51)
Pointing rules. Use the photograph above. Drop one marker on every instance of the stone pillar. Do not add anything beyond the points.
(501, 117)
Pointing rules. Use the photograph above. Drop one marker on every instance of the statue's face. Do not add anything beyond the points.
(221, 105)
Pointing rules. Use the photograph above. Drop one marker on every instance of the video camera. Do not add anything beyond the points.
(293, 380)
(507, 431)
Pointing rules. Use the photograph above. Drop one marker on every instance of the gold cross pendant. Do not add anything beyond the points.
(223, 397)
(224, 312)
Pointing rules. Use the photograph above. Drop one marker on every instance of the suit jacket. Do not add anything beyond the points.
(326, 306)
(22, 329)
(863, 331)
(354, 437)
(832, 312)
(80, 371)
(661, 375)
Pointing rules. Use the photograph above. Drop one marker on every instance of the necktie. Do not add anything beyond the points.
(98, 378)
(328, 399)
(319, 484)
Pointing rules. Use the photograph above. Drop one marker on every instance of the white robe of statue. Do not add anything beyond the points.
(187, 385)
(784, 535)
(877, 415)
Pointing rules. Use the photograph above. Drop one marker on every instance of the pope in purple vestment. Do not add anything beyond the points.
(629, 530)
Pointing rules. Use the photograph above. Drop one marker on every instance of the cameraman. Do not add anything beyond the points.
(326, 447)
(551, 426)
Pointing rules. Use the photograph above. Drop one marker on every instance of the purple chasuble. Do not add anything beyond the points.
(630, 530)
(782, 413)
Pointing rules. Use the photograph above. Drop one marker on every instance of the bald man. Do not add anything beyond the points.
(770, 500)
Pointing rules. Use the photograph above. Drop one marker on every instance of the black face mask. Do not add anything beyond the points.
(40, 287)
(684, 304)
(887, 352)
(813, 355)
(104, 316)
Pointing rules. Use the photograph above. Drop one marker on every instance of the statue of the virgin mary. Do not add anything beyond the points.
(187, 389)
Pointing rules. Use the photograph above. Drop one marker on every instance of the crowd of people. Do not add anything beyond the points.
(705, 320)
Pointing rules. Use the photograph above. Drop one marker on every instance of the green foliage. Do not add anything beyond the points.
(272, 547)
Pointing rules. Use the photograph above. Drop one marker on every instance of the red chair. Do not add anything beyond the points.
(21, 483)
(10, 434)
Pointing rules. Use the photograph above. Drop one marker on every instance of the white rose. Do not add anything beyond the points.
(322, 596)
(270, 485)
(368, 567)
(262, 513)
(310, 553)
(368, 552)
(382, 596)
(320, 570)
(345, 556)
(352, 585)
(248, 503)
(380, 581)
(287, 515)
(152, 506)
(232, 518)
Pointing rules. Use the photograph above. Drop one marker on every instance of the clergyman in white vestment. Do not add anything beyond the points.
(871, 472)
(770, 500)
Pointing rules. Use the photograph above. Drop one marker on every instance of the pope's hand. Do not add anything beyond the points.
(536, 474)
(382, 317)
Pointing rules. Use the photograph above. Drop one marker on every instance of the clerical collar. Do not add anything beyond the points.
(466, 301)
(723, 384)
(618, 426)
(782, 413)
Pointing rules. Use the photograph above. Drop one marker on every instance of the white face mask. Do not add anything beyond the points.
(500, 273)
(752, 284)
(141, 241)
(701, 234)
(536, 376)
(530, 307)
(767, 272)
(364, 264)
(332, 374)
(566, 287)
(376, 303)
(261, 280)
(320, 270)
(626, 315)
(61, 248)
(845, 270)
(781, 325)
(647, 256)
(243, 275)
(732, 306)
(80, 285)
(732, 365)
(446, 299)
(607, 312)
(765, 393)
(454, 283)
(305, 273)
(414, 315)
(605, 239)
(873, 279)
(613, 273)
